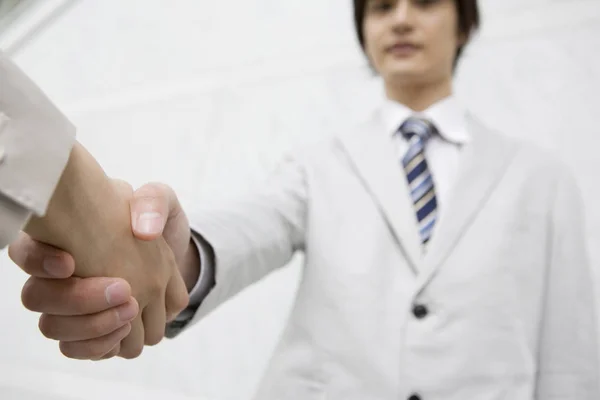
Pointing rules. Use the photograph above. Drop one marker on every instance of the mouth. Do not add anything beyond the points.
(403, 49)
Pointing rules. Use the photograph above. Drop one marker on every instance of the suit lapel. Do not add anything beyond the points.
(485, 162)
(373, 155)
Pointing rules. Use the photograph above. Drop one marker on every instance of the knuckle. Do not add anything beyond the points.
(30, 295)
(114, 352)
(110, 354)
(97, 352)
(48, 328)
(156, 286)
(79, 296)
(178, 304)
(86, 350)
(29, 258)
(15, 255)
(17, 251)
(66, 350)
(95, 349)
(97, 326)
(182, 302)
(77, 350)
(131, 352)
(153, 340)
(152, 189)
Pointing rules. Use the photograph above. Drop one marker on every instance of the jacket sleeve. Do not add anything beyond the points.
(568, 353)
(35, 143)
(248, 238)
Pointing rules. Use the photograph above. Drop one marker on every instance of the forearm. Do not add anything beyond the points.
(248, 239)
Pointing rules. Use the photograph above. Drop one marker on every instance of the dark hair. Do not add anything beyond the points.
(468, 21)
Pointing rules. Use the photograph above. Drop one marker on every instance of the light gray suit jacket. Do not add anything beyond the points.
(510, 310)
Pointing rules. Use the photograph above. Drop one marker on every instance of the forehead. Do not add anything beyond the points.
(361, 5)
(382, 8)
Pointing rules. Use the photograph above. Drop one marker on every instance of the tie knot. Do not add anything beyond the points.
(419, 127)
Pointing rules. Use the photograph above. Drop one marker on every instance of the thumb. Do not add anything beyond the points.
(150, 208)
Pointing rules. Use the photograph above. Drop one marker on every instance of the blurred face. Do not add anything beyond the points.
(412, 41)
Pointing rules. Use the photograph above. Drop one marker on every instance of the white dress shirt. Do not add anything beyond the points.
(443, 155)
(443, 152)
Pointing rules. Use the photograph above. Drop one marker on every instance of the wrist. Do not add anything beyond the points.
(81, 209)
(190, 266)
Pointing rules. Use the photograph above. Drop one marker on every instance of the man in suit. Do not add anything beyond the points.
(443, 260)
(54, 190)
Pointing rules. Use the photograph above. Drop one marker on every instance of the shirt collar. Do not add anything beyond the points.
(448, 116)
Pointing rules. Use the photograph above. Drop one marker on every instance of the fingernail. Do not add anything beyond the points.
(116, 294)
(54, 267)
(150, 222)
(127, 312)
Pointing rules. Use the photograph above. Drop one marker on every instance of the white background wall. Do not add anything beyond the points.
(204, 95)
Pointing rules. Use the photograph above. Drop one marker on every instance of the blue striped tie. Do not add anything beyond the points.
(417, 132)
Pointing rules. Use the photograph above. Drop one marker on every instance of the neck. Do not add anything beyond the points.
(419, 96)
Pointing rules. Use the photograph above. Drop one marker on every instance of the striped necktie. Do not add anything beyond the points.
(417, 132)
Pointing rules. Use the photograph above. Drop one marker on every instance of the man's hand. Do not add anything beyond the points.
(91, 316)
(156, 211)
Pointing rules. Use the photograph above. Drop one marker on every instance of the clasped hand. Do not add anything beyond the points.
(126, 306)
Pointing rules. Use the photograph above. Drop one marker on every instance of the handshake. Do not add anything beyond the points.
(109, 267)
(110, 285)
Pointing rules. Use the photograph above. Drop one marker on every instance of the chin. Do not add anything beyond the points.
(405, 76)
(408, 72)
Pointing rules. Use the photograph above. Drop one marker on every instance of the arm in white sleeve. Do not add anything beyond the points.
(249, 237)
(35, 142)
(568, 350)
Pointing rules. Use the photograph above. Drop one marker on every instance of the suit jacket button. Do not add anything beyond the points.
(420, 311)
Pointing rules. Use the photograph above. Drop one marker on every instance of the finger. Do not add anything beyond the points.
(94, 349)
(155, 320)
(39, 259)
(133, 345)
(74, 296)
(113, 353)
(86, 327)
(176, 297)
(151, 206)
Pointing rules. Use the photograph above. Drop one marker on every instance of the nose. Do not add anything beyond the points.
(403, 15)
